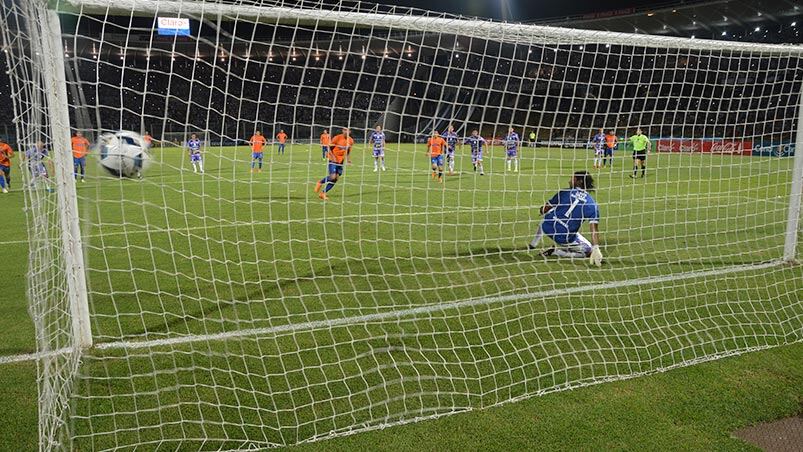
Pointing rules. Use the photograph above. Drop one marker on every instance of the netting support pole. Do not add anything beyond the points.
(67, 202)
(795, 198)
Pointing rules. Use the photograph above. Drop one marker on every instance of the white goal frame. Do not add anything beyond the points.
(72, 246)
(471, 27)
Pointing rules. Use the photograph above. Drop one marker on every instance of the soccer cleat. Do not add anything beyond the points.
(434, 175)
(5, 191)
(548, 252)
(83, 180)
(516, 170)
(384, 169)
(318, 186)
(259, 170)
(253, 170)
(482, 173)
(632, 176)
(323, 196)
(374, 169)
(440, 180)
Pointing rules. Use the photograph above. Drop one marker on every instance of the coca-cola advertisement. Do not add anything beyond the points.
(717, 146)
(679, 145)
(729, 147)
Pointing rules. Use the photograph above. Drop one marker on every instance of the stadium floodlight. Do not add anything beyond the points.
(230, 309)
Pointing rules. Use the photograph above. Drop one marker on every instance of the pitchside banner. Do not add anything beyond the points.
(722, 147)
(775, 150)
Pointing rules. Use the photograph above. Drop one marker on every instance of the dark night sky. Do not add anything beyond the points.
(520, 10)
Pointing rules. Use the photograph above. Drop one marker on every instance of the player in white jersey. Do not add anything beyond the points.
(378, 143)
(477, 143)
(451, 144)
(194, 144)
(37, 157)
(511, 143)
(599, 147)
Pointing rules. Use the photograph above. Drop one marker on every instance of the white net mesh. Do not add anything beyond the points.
(235, 309)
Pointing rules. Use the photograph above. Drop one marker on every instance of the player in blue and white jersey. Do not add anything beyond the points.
(477, 143)
(378, 143)
(599, 147)
(451, 144)
(564, 214)
(36, 158)
(512, 142)
(194, 145)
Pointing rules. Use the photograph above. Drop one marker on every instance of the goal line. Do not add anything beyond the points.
(397, 314)
(430, 308)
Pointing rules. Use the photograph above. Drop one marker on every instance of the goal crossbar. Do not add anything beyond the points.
(472, 28)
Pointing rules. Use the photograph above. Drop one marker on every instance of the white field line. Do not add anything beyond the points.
(25, 357)
(399, 314)
(153, 230)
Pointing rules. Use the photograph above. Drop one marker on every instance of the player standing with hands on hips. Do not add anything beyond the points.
(564, 214)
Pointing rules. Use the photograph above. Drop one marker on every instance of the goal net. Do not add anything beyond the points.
(229, 307)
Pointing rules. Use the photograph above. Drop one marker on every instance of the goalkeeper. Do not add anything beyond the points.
(564, 214)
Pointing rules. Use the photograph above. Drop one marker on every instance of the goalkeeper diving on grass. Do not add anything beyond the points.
(564, 214)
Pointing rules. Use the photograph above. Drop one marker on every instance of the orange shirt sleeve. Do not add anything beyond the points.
(5, 154)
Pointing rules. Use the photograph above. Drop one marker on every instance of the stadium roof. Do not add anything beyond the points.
(769, 21)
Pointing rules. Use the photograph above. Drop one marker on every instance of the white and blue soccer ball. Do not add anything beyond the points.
(123, 153)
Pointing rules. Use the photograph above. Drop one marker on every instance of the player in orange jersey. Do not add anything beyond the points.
(325, 139)
(80, 147)
(148, 139)
(257, 142)
(435, 148)
(610, 144)
(282, 137)
(338, 155)
(5, 166)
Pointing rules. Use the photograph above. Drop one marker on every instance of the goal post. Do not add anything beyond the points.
(273, 297)
(793, 229)
(54, 75)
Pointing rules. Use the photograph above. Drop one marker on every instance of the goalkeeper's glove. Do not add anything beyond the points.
(596, 256)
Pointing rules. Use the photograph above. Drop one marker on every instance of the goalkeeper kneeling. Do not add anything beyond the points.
(564, 214)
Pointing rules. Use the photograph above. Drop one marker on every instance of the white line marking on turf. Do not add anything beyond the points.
(427, 309)
(11, 359)
(152, 230)
(293, 221)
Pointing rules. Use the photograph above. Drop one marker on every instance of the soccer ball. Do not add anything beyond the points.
(123, 154)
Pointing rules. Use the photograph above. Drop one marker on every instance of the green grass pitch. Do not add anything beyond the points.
(183, 255)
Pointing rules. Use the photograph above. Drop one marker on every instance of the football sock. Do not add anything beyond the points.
(538, 234)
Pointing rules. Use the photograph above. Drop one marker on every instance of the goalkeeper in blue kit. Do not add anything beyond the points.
(564, 214)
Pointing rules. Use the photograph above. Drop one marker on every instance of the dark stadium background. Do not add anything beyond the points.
(718, 19)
